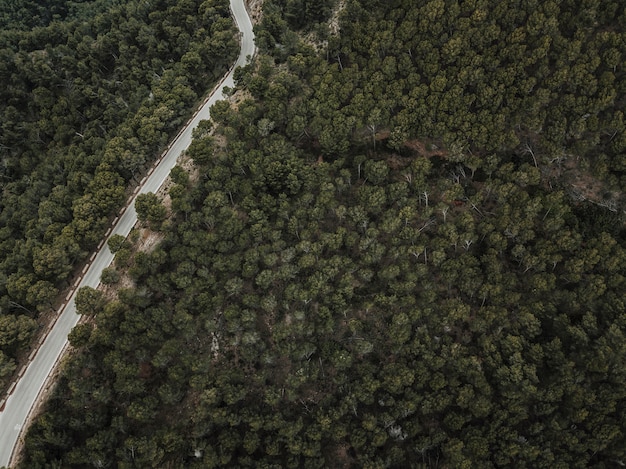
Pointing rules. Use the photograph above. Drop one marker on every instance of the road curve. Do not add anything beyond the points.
(25, 392)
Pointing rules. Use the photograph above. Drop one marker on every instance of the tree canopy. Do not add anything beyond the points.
(400, 251)
(92, 92)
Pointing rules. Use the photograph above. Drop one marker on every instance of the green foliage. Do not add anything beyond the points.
(150, 209)
(26, 14)
(179, 176)
(326, 298)
(109, 276)
(7, 366)
(79, 335)
(305, 13)
(116, 242)
(594, 219)
(89, 301)
(93, 91)
(15, 332)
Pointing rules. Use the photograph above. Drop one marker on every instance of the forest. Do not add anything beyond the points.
(402, 245)
(92, 92)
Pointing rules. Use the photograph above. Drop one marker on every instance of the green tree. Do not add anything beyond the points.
(116, 242)
(110, 276)
(150, 209)
(15, 332)
(89, 301)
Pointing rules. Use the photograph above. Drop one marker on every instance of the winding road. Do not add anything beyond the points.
(33, 378)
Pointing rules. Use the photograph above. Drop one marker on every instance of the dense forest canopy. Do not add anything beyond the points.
(92, 91)
(388, 258)
(28, 14)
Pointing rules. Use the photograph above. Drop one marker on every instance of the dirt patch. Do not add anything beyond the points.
(148, 240)
(312, 38)
(343, 454)
(255, 10)
(237, 98)
(333, 23)
(581, 184)
(187, 164)
(427, 149)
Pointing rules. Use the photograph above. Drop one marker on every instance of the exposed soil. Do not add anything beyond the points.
(426, 149)
(583, 185)
(333, 23)
(255, 10)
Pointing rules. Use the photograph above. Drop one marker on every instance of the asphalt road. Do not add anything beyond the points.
(25, 393)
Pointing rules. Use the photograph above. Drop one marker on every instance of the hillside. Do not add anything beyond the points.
(384, 257)
(92, 92)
